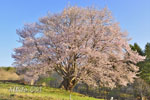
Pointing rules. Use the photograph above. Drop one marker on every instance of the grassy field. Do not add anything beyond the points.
(12, 91)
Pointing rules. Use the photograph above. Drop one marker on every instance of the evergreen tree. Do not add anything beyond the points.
(132, 47)
(145, 70)
(137, 48)
(144, 66)
(147, 51)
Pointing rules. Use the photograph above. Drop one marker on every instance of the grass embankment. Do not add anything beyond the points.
(46, 93)
(8, 91)
(8, 73)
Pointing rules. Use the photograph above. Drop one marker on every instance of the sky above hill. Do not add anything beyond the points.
(133, 15)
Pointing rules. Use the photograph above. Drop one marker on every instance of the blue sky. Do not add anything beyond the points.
(133, 15)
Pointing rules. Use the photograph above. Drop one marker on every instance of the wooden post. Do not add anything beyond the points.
(70, 97)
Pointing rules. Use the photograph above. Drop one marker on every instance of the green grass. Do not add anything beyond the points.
(46, 93)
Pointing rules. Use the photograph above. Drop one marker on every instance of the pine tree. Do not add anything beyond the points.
(147, 51)
(132, 47)
(144, 66)
(137, 48)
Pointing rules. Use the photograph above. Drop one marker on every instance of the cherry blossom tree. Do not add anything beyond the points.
(80, 44)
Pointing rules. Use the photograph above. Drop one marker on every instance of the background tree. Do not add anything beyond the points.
(141, 88)
(145, 71)
(137, 48)
(147, 51)
(81, 45)
(144, 66)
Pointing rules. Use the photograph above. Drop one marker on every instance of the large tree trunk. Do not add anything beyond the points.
(87, 88)
(143, 98)
(68, 83)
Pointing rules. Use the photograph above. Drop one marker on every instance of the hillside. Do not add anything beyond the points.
(8, 91)
(8, 73)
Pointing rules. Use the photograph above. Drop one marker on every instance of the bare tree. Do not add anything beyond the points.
(80, 44)
(141, 88)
